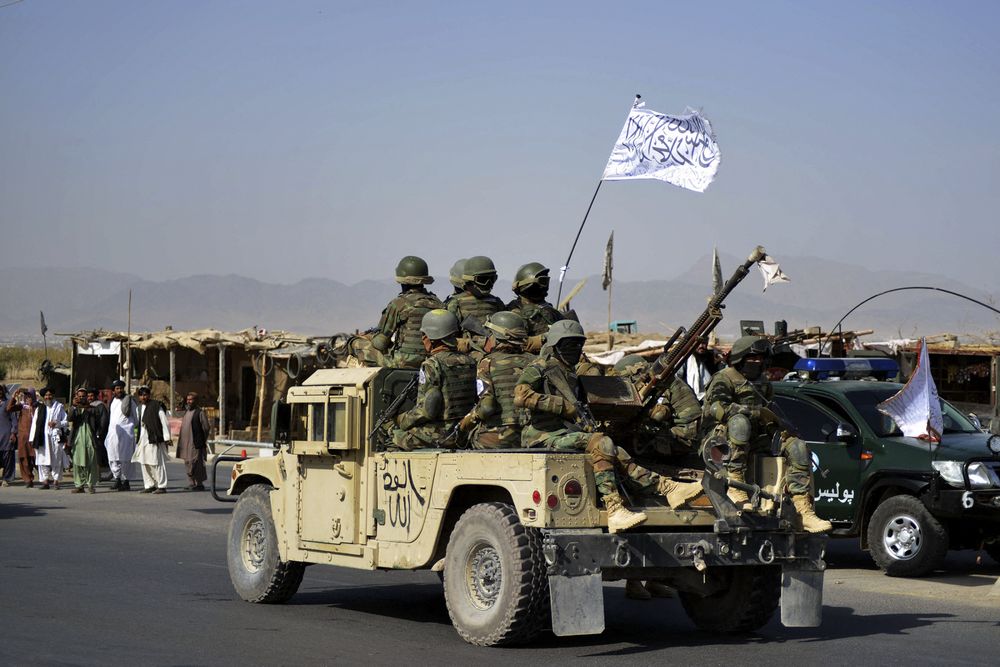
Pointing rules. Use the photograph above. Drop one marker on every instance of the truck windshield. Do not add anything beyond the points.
(866, 401)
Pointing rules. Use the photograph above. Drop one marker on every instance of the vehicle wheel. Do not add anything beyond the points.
(495, 583)
(905, 539)
(746, 602)
(257, 572)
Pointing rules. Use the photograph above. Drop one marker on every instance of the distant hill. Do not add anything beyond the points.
(821, 291)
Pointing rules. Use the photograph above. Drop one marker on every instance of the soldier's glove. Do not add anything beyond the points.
(467, 422)
(569, 411)
(463, 345)
(534, 344)
(660, 412)
(767, 417)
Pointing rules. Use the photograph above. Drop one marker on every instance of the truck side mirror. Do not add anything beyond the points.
(974, 418)
(846, 433)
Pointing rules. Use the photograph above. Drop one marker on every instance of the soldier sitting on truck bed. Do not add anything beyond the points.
(398, 333)
(476, 301)
(671, 428)
(549, 390)
(495, 422)
(446, 388)
(736, 411)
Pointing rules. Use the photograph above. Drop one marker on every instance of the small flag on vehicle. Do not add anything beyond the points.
(916, 408)
(608, 262)
(772, 272)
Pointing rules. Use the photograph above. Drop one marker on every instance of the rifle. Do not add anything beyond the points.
(674, 356)
(391, 409)
(583, 412)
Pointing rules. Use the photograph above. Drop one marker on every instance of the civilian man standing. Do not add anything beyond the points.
(48, 437)
(8, 438)
(192, 443)
(23, 404)
(120, 441)
(154, 438)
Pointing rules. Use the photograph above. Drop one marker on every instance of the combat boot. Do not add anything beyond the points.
(739, 496)
(678, 494)
(619, 517)
(634, 590)
(807, 514)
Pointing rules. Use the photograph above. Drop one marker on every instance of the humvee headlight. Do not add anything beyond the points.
(980, 476)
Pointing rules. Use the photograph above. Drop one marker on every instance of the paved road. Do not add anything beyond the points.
(114, 578)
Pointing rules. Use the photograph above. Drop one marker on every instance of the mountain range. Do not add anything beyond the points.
(820, 292)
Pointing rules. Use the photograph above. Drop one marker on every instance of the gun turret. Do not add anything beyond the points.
(675, 355)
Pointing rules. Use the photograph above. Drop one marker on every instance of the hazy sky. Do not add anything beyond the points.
(283, 140)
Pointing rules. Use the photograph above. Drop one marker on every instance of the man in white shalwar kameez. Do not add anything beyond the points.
(154, 438)
(47, 434)
(120, 441)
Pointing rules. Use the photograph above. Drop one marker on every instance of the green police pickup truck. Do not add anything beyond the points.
(908, 500)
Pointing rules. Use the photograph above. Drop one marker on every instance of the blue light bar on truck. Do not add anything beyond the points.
(822, 367)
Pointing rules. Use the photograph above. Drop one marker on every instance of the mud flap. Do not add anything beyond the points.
(801, 595)
(577, 604)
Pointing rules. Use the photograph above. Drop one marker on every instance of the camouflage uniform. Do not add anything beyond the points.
(479, 307)
(499, 421)
(398, 337)
(475, 301)
(671, 428)
(539, 316)
(445, 393)
(531, 285)
(550, 425)
(736, 410)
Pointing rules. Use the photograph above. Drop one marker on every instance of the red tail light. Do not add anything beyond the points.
(572, 489)
(536, 496)
(552, 501)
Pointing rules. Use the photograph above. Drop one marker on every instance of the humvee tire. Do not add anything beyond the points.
(905, 539)
(495, 582)
(746, 602)
(257, 573)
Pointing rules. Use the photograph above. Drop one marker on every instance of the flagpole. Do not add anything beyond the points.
(562, 271)
(611, 335)
(128, 348)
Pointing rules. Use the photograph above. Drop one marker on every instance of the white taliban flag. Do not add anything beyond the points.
(772, 272)
(680, 150)
(916, 408)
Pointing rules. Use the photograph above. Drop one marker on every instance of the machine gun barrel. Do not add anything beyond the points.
(668, 363)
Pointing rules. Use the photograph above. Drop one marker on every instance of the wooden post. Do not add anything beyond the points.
(222, 391)
(260, 399)
(995, 394)
(173, 381)
(611, 334)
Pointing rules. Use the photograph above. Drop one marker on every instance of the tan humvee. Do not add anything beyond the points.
(518, 536)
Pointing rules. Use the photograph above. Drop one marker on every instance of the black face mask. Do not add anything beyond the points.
(569, 352)
(536, 291)
(752, 370)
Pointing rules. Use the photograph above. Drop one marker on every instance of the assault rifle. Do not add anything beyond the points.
(583, 413)
(660, 372)
(391, 409)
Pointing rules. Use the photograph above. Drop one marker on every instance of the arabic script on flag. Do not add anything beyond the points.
(916, 408)
(680, 150)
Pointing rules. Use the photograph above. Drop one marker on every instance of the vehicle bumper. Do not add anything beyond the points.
(583, 552)
(980, 504)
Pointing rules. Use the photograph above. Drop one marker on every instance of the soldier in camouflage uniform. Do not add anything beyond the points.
(531, 285)
(736, 411)
(549, 390)
(495, 422)
(671, 427)
(398, 338)
(475, 301)
(455, 278)
(446, 389)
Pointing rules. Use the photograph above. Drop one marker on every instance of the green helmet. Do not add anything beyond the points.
(438, 324)
(748, 345)
(412, 271)
(455, 274)
(507, 326)
(532, 273)
(480, 271)
(629, 365)
(562, 330)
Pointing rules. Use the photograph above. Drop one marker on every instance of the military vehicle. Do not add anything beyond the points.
(907, 500)
(518, 536)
